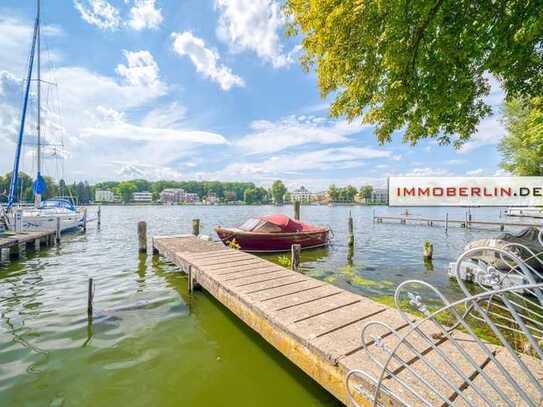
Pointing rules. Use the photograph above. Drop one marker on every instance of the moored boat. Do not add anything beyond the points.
(274, 233)
(44, 214)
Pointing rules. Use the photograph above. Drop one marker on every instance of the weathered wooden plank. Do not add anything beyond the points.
(298, 297)
(282, 292)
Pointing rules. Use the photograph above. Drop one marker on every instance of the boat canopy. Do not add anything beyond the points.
(57, 203)
(276, 224)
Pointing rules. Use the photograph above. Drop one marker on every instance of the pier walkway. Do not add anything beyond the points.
(313, 323)
(15, 243)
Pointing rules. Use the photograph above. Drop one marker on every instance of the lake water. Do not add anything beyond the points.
(153, 344)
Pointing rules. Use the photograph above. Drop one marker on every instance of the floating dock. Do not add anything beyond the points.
(313, 323)
(16, 243)
(467, 223)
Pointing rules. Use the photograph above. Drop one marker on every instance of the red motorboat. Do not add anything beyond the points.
(275, 233)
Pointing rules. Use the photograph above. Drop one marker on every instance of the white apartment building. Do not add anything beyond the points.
(301, 194)
(142, 197)
(104, 196)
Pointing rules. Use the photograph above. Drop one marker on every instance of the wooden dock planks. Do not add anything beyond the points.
(314, 324)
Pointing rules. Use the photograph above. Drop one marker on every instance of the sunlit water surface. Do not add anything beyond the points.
(153, 344)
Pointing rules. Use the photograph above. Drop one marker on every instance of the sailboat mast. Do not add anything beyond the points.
(15, 173)
(38, 38)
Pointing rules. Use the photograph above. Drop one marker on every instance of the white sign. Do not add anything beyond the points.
(465, 191)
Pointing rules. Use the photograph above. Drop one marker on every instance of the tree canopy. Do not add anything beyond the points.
(423, 65)
(278, 191)
(522, 146)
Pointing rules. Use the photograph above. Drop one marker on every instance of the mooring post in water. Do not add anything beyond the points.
(350, 241)
(191, 279)
(446, 222)
(373, 217)
(57, 232)
(296, 251)
(142, 236)
(469, 217)
(99, 217)
(297, 210)
(90, 297)
(196, 227)
(85, 220)
(428, 250)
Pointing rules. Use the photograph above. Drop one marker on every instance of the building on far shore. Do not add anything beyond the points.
(301, 194)
(142, 197)
(212, 198)
(191, 197)
(379, 196)
(104, 196)
(172, 195)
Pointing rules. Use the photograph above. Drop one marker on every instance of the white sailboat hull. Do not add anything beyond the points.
(34, 220)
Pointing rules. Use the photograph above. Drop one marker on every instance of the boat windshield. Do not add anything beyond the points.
(260, 225)
(250, 224)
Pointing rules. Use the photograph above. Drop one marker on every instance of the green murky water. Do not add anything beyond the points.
(153, 344)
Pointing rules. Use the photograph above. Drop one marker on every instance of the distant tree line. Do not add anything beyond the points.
(82, 192)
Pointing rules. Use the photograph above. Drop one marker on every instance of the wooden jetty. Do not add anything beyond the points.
(468, 223)
(313, 323)
(16, 243)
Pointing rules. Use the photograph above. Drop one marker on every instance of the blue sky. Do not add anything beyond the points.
(206, 89)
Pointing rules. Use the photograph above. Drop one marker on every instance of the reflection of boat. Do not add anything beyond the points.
(275, 233)
(527, 212)
(44, 214)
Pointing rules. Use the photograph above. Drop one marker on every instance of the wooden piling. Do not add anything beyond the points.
(296, 251)
(142, 237)
(196, 227)
(428, 250)
(297, 210)
(446, 222)
(190, 281)
(58, 231)
(350, 241)
(99, 217)
(90, 297)
(85, 220)
(37, 243)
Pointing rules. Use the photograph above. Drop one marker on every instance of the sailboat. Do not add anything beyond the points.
(44, 214)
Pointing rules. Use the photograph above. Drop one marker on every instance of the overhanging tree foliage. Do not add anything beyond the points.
(522, 146)
(420, 65)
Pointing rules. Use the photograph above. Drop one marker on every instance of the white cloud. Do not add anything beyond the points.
(478, 171)
(144, 14)
(15, 41)
(113, 125)
(141, 71)
(254, 25)
(165, 116)
(489, 132)
(205, 60)
(426, 172)
(270, 137)
(99, 13)
(326, 159)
